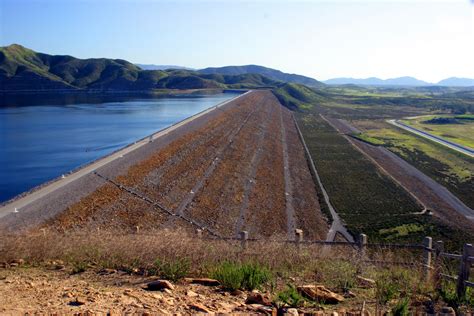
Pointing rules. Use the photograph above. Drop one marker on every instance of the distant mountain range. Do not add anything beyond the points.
(162, 67)
(401, 81)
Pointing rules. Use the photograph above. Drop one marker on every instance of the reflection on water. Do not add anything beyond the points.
(42, 137)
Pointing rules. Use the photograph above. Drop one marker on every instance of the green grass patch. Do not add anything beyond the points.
(245, 276)
(402, 230)
(366, 138)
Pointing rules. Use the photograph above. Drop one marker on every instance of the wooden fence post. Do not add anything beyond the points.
(362, 245)
(427, 248)
(464, 268)
(244, 236)
(298, 238)
(199, 233)
(439, 249)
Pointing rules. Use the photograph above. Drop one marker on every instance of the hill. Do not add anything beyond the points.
(264, 71)
(457, 82)
(296, 96)
(373, 81)
(24, 70)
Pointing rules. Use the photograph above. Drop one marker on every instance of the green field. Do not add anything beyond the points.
(368, 201)
(455, 128)
(452, 169)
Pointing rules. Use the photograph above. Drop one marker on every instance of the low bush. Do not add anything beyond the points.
(79, 267)
(401, 308)
(339, 273)
(247, 276)
(171, 270)
(289, 297)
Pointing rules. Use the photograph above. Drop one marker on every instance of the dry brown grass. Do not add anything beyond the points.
(122, 249)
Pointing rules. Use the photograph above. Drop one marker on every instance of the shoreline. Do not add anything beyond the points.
(37, 192)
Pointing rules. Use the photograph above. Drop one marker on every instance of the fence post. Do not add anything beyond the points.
(362, 245)
(427, 248)
(244, 236)
(137, 229)
(439, 249)
(298, 238)
(464, 268)
(199, 233)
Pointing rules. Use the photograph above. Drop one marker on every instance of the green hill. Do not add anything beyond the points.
(264, 71)
(297, 96)
(22, 69)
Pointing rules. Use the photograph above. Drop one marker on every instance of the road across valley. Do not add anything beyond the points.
(439, 140)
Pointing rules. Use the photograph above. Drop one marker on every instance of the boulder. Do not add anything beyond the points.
(320, 293)
(258, 298)
(159, 285)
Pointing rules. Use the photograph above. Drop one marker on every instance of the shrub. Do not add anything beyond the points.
(246, 276)
(401, 308)
(78, 267)
(171, 270)
(289, 297)
(385, 289)
(339, 273)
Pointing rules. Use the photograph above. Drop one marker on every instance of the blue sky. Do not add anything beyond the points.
(430, 40)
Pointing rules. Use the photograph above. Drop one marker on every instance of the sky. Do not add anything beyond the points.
(427, 39)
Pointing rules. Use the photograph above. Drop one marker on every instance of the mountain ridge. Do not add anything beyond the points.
(401, 81)
(265, 71)
(24, 70)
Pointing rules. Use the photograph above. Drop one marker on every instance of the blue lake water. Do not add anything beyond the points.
(44, 137)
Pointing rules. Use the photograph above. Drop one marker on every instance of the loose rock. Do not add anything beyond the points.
(320, 293)
(447, 311)
(365, 282)
(258, 298)
(291, 312)
(159, 285)
(191, 293)
(202, 281)
(199, 307)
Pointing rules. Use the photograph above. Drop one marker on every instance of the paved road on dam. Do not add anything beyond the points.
(17, 204)
(439, 140)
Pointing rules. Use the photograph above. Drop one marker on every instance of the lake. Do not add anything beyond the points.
(42, 137)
